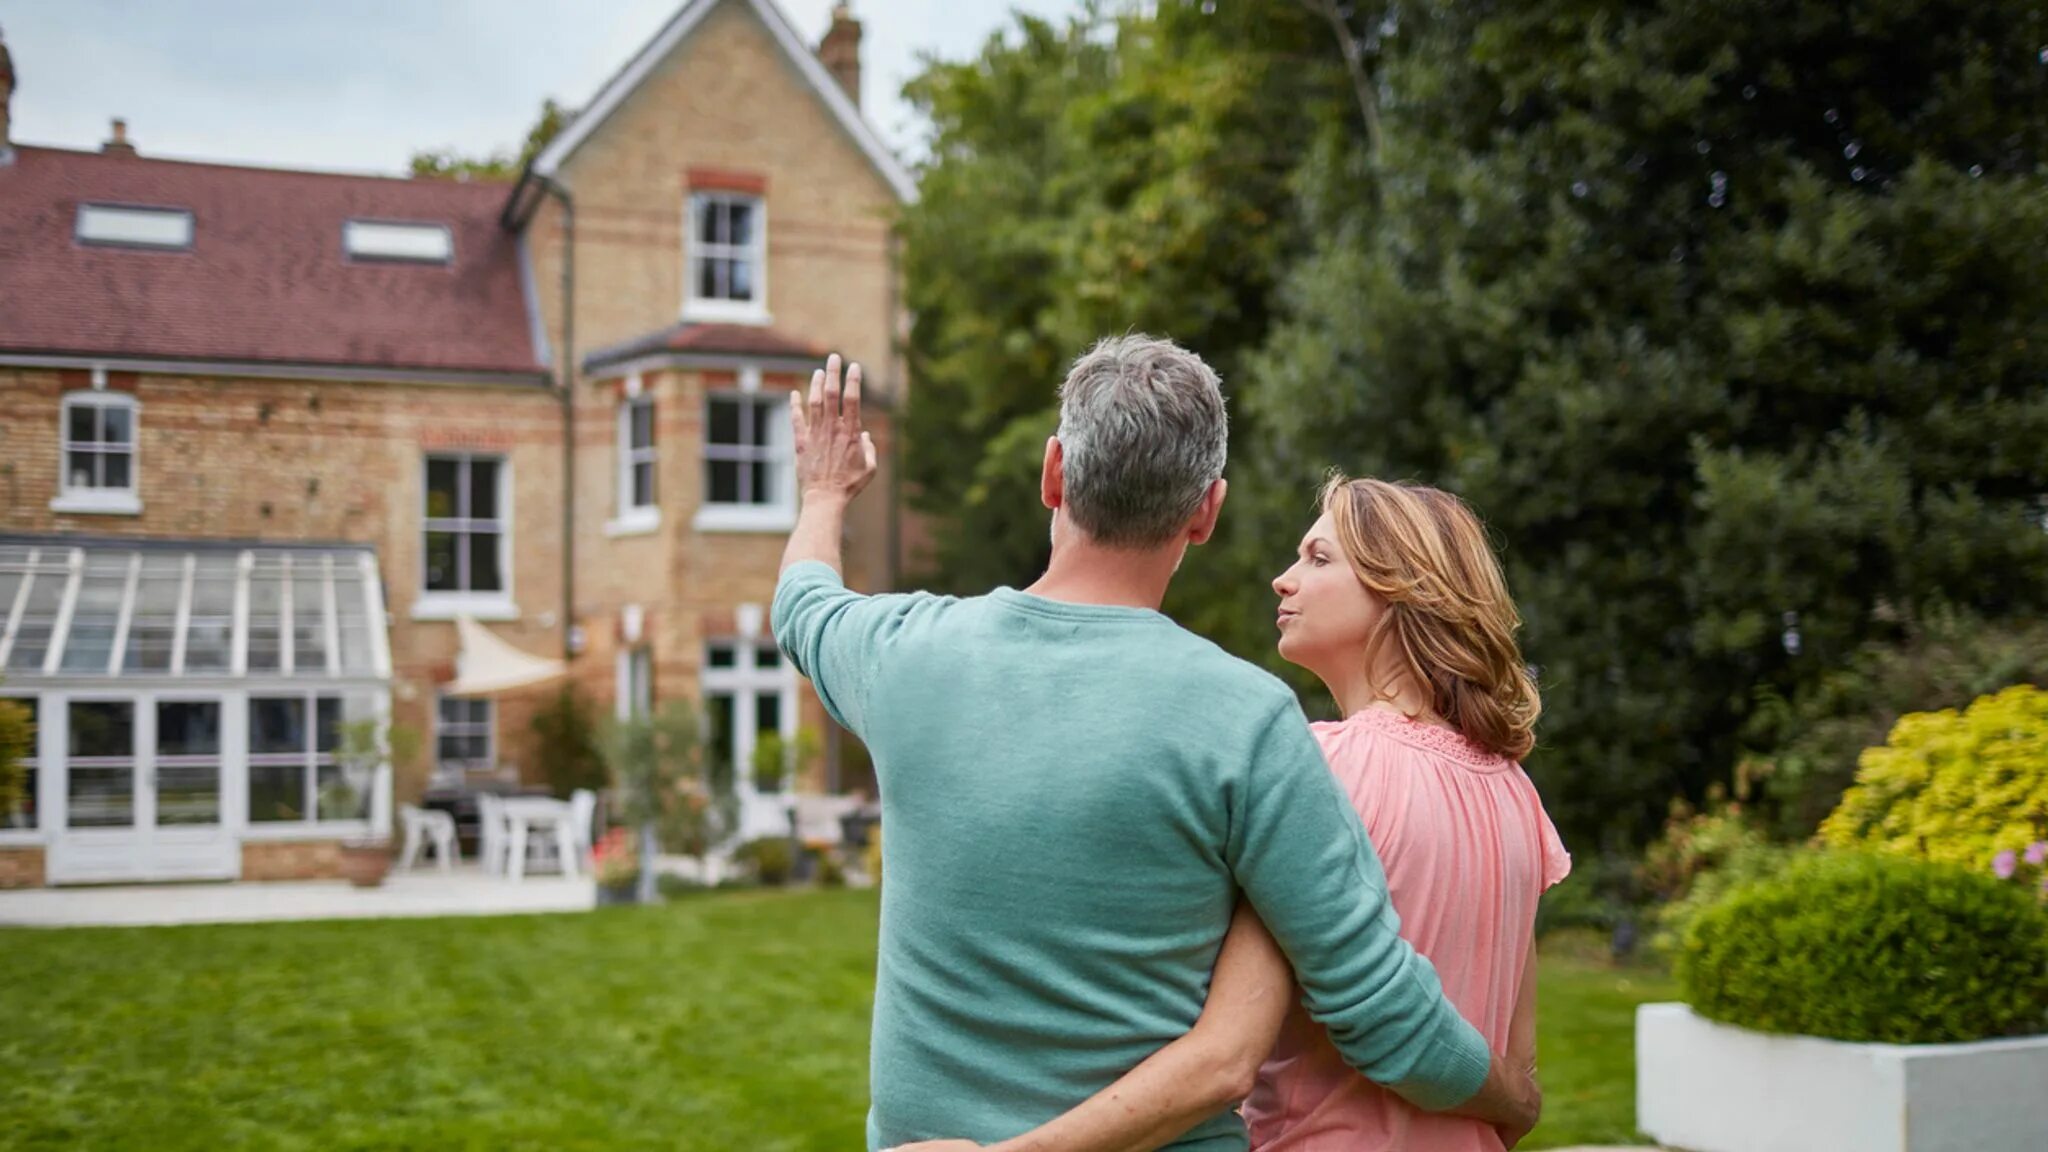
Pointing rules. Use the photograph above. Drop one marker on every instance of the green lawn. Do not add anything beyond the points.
(720, 1022)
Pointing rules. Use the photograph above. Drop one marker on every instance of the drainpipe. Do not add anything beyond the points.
(551, 187)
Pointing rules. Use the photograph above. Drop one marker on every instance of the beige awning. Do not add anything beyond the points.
(486, 665)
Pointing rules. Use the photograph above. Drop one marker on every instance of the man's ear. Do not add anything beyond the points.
(1052, 479)
(1203, 525)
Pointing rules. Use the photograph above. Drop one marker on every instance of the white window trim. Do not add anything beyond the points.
(98, 501)
(745, 681)
(779, 516)
(753, 311)
(495, 606)
(635, 519)
(490, 735)
(622, 705)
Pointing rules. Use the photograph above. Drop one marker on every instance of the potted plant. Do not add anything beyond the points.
(778, 764)
(616, 863)
(365, 747)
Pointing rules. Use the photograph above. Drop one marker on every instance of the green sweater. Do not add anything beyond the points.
(1072, 797)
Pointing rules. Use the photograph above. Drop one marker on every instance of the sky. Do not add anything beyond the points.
(359, 85)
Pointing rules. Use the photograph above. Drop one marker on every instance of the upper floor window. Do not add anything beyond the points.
(749, 479)
(727, 257)
(466, 525)
(99, 454)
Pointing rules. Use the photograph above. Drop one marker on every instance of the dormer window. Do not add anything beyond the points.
(126, 226)
(406, 243)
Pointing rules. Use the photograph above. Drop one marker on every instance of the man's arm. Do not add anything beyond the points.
(835, 459)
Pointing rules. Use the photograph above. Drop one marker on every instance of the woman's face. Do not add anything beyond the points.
(1326, 615)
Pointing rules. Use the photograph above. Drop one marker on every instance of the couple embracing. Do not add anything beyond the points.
(1134, 899)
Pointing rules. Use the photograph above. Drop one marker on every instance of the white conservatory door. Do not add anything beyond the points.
(142, 789)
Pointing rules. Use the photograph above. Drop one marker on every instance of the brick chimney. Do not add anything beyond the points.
(839, 51)
(6, 102)
(118, 145)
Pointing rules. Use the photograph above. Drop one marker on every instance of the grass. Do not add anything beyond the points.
(719, 1022)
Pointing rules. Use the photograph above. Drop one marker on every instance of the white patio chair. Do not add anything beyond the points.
(435, 827)
(582, 813)
(491, 839)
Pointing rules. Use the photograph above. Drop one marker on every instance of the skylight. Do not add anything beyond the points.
(388, 240)
(134, 227)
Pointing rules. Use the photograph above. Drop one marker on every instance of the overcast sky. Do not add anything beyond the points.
(358, 85)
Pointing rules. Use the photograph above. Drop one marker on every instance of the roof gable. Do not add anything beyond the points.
(628, 80)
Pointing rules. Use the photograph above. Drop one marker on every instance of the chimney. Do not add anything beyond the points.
(119, 145)
(839, 51)
(6, 103)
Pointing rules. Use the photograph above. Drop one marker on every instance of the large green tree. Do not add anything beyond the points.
(1085, 179)
(453, 164)
(1728, 318)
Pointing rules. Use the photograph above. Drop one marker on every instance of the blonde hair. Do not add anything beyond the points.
(1448, 617)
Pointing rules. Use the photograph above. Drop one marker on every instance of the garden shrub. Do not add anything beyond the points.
(768, 858)
(17, 742)
(1867, 947)
(1953, 787)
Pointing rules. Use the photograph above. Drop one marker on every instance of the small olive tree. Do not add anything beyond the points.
(658, 777)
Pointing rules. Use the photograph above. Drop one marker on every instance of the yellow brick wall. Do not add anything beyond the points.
(21, 868)
(291, 859)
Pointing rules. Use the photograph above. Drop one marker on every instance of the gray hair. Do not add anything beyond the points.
(1142, 435)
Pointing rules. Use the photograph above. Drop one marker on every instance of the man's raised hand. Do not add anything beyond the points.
(835, 459)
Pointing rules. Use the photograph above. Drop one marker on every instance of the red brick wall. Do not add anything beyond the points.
(291, 859)
(21, 868)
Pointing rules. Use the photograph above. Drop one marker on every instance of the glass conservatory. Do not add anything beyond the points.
(189, 698)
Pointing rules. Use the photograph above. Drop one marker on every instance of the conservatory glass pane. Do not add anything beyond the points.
(155, 623)
(352, 618)
(309, 617)
(266, 605)
(98, 612)
(209, 636)
(39, 616)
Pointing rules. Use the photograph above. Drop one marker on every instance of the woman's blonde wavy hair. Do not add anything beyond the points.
(1448, 617)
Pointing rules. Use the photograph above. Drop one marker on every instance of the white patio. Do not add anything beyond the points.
(465, 891)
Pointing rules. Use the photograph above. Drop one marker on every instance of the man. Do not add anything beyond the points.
(1075, 790)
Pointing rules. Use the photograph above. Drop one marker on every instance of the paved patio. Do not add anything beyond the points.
(466, 891)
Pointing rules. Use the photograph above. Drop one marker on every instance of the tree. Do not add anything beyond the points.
(566, 738)
(662, 789)
(1112, 174)
(1727, 319)
(17, 742)
(450, 164)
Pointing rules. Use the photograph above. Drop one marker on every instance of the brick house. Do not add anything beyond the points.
(267, 436)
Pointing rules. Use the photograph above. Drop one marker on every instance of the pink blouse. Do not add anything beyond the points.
(1467, 848)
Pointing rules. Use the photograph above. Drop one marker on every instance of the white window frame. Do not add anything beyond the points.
(778, 515)
(310, 759)
(634, 686)
(634, 519)
(447, 605)
(467, 728)
(713, 309)
(746, 682)
(96, 500)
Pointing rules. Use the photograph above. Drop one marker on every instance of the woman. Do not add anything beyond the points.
(1397, 604)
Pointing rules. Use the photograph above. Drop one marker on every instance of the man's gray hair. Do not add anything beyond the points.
(1142, 435)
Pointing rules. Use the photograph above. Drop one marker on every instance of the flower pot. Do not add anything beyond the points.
(1715, 1088)
(366, 864)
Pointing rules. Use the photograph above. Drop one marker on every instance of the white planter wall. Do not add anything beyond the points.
(1708, 1087)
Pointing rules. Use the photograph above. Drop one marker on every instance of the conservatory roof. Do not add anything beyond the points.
(94, 609)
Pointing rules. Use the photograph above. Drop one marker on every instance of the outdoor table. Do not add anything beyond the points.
(523, 815)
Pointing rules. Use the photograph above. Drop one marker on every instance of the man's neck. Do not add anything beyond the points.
(1083, 572)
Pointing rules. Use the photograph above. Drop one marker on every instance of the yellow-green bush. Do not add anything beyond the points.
(1953, 787)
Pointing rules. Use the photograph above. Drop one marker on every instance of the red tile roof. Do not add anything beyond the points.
(265, 279)
(742, 340)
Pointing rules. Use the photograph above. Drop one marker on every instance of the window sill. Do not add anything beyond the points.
(638, 522)
(23, 838)
(447, 606)
(725, 312)
(744, 518)
(98, 504)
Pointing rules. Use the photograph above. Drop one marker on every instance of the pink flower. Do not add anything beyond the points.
(2003, 864)
(2037, 852)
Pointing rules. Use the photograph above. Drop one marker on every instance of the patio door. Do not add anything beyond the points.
(143, 791)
